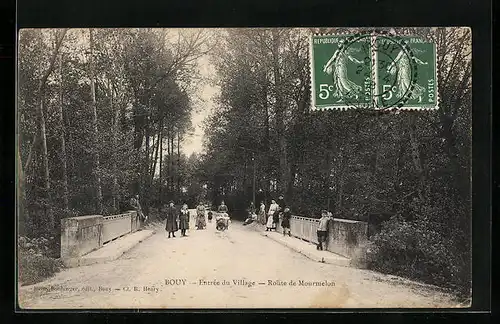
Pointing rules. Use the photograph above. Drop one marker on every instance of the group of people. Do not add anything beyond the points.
(179, 219)
(278, 211)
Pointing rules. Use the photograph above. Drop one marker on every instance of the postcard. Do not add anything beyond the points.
(249, 168)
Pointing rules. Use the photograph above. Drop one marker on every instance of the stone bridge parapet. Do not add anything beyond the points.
(84, 234)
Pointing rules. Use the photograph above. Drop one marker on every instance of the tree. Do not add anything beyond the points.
(58, 39)
(362, 165)
(71, 161)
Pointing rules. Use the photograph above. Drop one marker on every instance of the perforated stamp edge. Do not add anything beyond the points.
(385, 31)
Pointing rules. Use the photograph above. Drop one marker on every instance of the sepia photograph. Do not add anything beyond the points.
(248, 168)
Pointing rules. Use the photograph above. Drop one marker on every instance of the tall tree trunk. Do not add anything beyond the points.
(340, 195)
(169, 163)
(280, 123)
(23, 217)
(116, 125)
(23, 209)
(267, 139)
(172, 171)
(397, 165)
(43, 134)
(145, 176)
(415, 153)
(30, 153)
(46, 171)
(63, 141)
(160, 198)
(97, 171)
(178, 163)
(154, 158)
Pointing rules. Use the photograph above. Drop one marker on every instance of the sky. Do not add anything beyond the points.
(194, 142)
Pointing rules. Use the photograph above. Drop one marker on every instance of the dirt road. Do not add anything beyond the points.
(238, 268)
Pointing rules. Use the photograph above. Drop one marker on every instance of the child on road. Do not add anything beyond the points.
(270, 223)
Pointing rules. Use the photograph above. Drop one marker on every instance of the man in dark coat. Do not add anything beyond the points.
(171, 216)
(285, 223)
(279, 213)
(281, 203)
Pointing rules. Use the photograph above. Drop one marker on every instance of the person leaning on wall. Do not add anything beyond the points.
(322, 232)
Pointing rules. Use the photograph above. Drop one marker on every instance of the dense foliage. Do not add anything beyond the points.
(102, 114)
(98, 109)
(366, 166)
(36, 259)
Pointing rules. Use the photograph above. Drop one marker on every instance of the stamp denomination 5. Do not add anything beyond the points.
(373, 70)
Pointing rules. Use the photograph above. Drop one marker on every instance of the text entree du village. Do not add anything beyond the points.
(251, 283)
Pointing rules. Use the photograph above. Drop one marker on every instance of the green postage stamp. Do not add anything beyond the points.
(373, 71)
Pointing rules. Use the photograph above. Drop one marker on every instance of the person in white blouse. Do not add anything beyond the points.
(274, 208)
(262, 213)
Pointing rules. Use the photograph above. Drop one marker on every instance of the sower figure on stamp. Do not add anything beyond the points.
(323, 230)
(171, 219)
(337, 67)
(401, 67)
(184, 219)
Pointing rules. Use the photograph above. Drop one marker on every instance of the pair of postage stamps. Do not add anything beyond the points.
(373, 71)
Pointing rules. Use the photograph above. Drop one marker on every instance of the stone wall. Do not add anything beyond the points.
(80, 235)
(346, 237)
(84, 234)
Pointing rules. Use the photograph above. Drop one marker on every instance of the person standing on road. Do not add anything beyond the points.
(262, 213)
(136, 205)
(200, 216)
(285, 223)
(279, 214)
(223, 214)
(184, 219)
(222, 207)
(322, 230)
(171, 219)
(273, 210)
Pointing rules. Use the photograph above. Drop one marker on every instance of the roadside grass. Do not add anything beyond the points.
(36, 261)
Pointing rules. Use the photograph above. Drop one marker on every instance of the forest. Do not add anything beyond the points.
(407, 173)
(102, 114)
(95, 109)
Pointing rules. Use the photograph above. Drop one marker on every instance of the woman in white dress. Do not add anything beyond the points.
(273, 208)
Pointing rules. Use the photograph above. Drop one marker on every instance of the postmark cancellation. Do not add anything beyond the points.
(373, 70)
